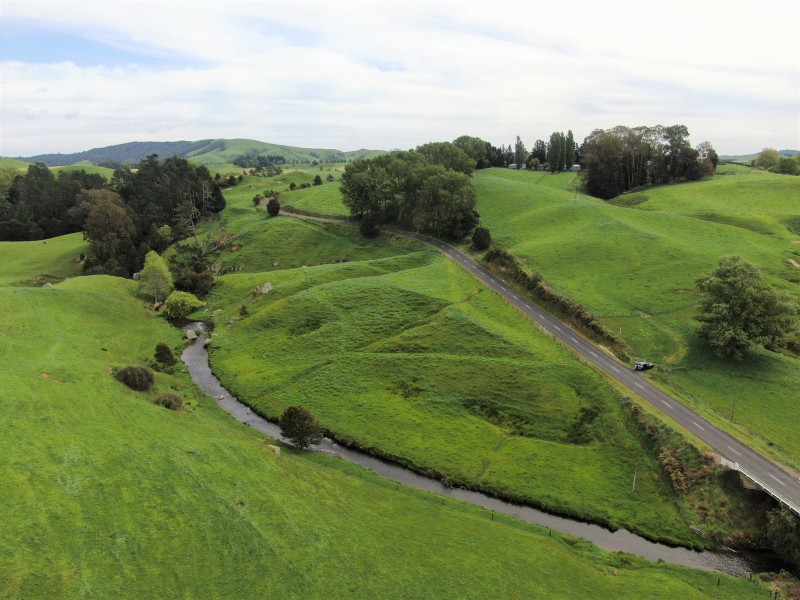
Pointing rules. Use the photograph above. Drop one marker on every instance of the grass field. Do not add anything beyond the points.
(635, 267)
(396, 349)
(106, 494)
(13, 163)
(41, 260)
(89, 168)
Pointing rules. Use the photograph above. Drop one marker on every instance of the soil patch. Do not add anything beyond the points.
(794, 263)
(47, 376)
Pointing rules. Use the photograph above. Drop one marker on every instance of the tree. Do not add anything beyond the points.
(520, 153)
(180, 304)
(300, 426)
(273, 207)
(739, 310)
(448, 156)
(768, 158)
(569, 150)
(555, 152)
(476, 149)
(317, 180)
(481, 238)
(108, 226)
(787, 166)
(155, 279)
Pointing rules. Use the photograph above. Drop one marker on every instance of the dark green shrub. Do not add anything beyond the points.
(273, 207)
(210, 323)
(195, 283)
(164, 355)
(368, 227)
(137, 378)
(170, 401)
(481, 238)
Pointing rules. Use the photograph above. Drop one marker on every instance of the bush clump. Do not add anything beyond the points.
(369, 226)
(170, 401)
(164, 355)
(180, 304)
(137, 378)
(481, 238)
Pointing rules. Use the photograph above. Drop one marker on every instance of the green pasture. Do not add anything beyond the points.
(88, 168)
(635, 266)
(41, 261)
(757, 201)
(404, 353)
(107, 494)
(13, 163)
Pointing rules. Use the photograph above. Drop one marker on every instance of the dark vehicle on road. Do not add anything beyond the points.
(643, 366)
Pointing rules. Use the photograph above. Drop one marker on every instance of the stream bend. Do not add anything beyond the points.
(740, 563)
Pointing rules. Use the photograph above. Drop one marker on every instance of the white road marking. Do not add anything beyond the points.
(666, 403)
(592, 353)
(734, 450)
(557, 327)
(696, 424)
(637, 384)
(615, 369)
(573, 339)
(776, 479)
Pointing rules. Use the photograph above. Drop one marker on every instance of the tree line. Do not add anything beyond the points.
(625, 158)
(428, 189)
(136, 212)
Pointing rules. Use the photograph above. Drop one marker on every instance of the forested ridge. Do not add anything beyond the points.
(137, 211)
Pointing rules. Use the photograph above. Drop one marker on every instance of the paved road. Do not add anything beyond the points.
(773, 478)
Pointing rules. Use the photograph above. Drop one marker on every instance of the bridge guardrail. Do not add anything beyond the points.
(760, 483)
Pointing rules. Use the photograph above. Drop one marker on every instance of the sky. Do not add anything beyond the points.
(387, 74)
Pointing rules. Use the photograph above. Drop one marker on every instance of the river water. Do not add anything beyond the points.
(734, 563)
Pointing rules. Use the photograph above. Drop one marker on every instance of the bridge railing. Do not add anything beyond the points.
(764, 486)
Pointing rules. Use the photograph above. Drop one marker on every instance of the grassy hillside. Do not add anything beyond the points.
(230, 149)
(88, 167)
(13, 163)
(396, 349)
(107, 494)
(636, 269)
(41, 261)
(213, 153)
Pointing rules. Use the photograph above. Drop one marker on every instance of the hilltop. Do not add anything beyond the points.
(207, 152)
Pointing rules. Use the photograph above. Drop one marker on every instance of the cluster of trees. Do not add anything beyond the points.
(37, 205)
(772, 160)
(739, 310)
(624, 158)
(427, 189)
(124, 219)
(560, 153)
(229, 181)
(254, 160)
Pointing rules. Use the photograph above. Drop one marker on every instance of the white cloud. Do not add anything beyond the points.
(392, 74)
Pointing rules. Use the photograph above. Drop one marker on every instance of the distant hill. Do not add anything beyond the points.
(206, 152)
(748, 157)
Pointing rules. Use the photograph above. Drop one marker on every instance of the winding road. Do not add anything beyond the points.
(770, 476)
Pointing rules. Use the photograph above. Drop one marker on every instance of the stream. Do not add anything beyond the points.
(734, 563)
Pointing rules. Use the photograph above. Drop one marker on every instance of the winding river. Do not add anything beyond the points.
(739, 563)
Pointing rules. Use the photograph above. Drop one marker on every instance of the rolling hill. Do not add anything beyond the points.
(206, 152)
